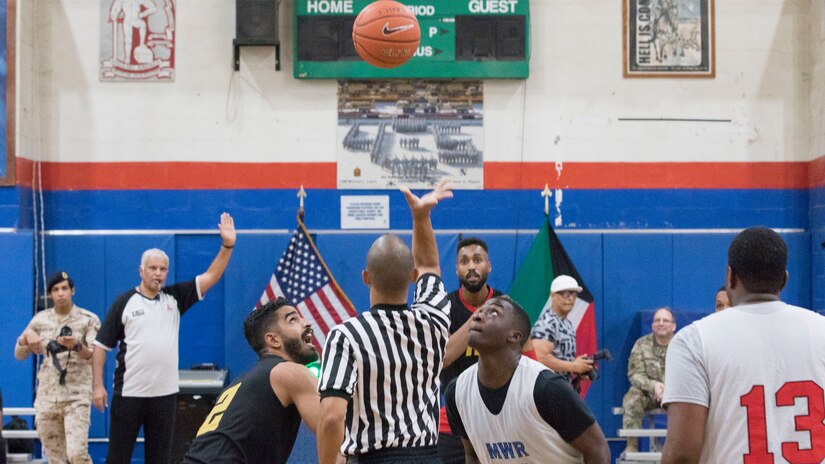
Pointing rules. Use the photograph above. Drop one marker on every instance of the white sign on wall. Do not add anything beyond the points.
(365, 212)
(137, 40)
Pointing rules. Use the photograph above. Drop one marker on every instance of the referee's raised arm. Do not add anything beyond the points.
(424, 248)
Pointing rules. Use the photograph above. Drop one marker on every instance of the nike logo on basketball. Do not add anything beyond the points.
(392, 30)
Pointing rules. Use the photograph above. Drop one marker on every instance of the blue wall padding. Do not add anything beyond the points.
(17, 290)
(475, 209)
(9, 207)
(627, 273)
(818, 247)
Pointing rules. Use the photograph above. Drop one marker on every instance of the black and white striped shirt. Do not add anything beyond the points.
(388, 361)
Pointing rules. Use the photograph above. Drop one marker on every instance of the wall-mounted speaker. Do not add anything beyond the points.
(256, 24)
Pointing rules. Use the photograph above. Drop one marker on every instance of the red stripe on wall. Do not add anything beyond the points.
(497, 175)
(179, 175)
(769, 175)
(816, 172)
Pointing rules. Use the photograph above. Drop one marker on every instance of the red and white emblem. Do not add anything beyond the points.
(137, 40)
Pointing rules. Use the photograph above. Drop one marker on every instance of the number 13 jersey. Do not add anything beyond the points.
(760, 370)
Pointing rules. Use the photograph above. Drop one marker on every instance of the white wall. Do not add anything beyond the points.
(567, 110)
(815, 32)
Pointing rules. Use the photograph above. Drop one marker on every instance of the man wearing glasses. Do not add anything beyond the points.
(646, 372)
(554, 337)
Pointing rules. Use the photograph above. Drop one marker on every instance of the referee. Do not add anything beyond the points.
(379, 382)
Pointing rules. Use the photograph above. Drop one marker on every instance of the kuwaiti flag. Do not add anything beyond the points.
(531, 288)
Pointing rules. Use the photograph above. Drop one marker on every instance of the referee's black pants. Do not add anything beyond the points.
(412, 455)
(156, 415)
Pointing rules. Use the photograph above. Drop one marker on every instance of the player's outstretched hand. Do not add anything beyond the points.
(423, 205)
(227, 228)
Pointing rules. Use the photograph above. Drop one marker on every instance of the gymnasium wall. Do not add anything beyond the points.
(816, 32)
(647, 208)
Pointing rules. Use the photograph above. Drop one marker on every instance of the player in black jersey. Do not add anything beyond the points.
(256, 419)
(472, 266)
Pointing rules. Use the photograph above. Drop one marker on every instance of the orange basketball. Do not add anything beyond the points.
(386, 34)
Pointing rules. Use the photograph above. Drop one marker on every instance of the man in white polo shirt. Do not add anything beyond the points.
(145, 321)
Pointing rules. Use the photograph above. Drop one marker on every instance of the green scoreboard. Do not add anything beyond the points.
(479, 39)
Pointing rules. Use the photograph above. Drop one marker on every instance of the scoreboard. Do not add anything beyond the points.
(479, 39)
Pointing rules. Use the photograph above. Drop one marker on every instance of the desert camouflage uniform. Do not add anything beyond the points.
(645, 368)
(62, 411)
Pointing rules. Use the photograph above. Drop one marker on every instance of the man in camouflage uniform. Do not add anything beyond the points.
(63, 400)
(646, 371)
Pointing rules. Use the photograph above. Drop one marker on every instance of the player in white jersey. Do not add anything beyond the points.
(745, 385)
(510, 408)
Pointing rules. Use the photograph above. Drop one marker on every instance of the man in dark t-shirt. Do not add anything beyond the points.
(256, 419)
(472, 266)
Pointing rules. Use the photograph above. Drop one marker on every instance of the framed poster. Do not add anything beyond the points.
(411, 132)
(669, 38)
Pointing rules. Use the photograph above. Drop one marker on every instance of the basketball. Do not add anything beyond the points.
(386, 34)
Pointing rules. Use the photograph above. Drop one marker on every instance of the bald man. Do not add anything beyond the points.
(379, 382)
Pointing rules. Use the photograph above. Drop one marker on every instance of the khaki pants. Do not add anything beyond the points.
(64, 431)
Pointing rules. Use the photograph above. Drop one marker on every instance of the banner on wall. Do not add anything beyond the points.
(410, 132)
(302, 277)
(137, 40)
(546, 260)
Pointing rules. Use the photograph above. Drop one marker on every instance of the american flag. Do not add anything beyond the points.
(303, 278)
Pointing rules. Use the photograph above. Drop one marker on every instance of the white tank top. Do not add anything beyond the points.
(518, 433)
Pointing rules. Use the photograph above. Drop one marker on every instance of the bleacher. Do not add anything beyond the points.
(20, 434)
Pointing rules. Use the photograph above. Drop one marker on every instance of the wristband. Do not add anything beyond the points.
(227, 247)
(78, 347)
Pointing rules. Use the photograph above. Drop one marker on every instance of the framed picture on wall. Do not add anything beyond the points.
(669, 38)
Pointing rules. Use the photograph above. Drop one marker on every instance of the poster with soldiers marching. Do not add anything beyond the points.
(669, 38)
(410, 132)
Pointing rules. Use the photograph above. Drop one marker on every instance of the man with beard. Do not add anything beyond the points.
(256, 419)
(472, 266)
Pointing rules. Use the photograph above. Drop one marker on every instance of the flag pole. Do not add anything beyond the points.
(546, 193)
(301, 195)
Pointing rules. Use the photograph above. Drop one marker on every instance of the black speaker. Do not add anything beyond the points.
(191, 412)
(257, 20)
(256, 23)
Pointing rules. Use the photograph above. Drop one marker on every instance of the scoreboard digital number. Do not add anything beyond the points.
(478, 39)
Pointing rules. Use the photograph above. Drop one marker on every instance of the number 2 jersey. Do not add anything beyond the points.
(760, 370)
(248, 423)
